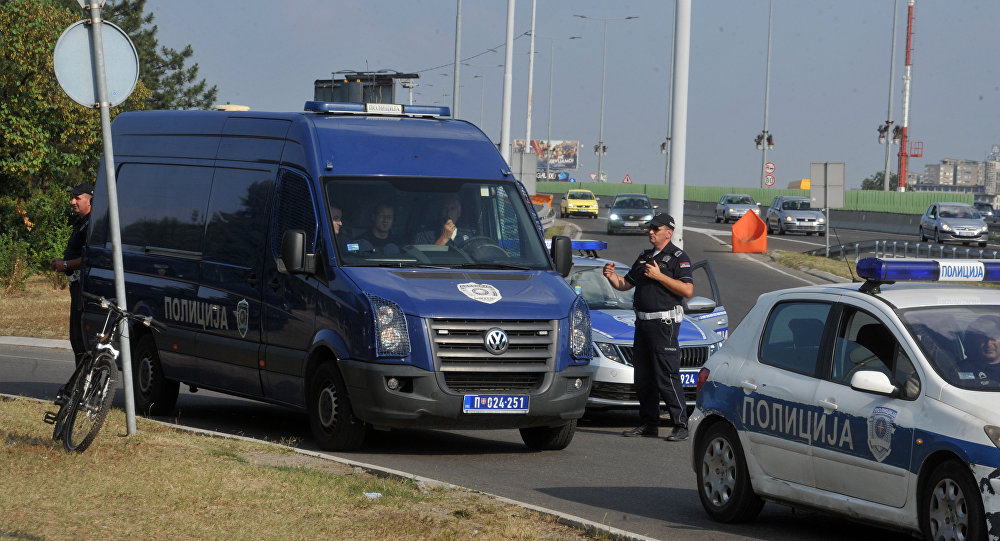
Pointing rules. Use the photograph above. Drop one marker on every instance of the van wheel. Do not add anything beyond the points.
(331, 419)
(154, 394)
(549, 438)
(723, 479)
(950, 506)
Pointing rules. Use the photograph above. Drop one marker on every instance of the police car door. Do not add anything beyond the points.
(777, 411)
(862, 446)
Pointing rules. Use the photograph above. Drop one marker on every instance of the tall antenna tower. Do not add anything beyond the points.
(918, 148)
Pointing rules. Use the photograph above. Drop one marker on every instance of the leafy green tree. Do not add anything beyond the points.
(876, 181)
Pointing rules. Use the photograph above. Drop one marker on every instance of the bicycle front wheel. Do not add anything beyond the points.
(92, 403)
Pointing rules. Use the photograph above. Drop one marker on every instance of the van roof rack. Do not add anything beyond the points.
(376, 108)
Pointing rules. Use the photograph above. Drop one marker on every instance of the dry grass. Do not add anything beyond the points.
(41, 310)
(168, 484)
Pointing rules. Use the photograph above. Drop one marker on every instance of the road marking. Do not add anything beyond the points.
(712, 233)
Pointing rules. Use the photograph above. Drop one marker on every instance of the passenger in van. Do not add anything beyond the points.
(379, 238)
(336, 217)
(449, 231)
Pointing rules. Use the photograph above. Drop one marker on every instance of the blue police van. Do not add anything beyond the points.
(373, 265)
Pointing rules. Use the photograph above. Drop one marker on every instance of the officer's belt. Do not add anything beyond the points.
(669, 316)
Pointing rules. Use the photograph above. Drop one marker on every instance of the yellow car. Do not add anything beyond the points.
(578, 203)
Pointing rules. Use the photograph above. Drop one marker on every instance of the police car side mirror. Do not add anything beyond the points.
(870, 381)
(699, 305)
(293, 253)
(562, 254)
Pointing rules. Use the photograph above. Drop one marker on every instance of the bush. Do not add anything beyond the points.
(14, 265)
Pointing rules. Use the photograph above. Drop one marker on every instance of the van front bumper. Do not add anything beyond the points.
(423, 400)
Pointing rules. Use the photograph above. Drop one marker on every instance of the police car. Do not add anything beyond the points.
(702, 331)
(876, 401)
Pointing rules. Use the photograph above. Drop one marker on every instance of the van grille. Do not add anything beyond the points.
(460, 354)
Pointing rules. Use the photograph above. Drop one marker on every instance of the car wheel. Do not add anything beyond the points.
(950, 507)
(717, 219)
(982, 244)
(770, 230)
(331, 418)
(781, 229)
(723, 479)
(937, 237)
(822, 233)
(923, 238)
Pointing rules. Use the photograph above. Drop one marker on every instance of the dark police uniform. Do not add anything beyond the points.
(74, 250)
(656, 356)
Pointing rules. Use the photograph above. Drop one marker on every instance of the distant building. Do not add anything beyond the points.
(982, 179)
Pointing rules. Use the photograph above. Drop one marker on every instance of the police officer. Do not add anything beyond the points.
(71, 263)
(661, 277)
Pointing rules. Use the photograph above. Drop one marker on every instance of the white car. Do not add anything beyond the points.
(868, 401)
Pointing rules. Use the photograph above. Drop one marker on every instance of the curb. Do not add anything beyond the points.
(35, 342)
(585, 525)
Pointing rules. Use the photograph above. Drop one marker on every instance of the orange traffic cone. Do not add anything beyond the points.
(750, 234)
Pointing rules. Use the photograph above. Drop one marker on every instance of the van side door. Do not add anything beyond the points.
(231, 269)
(289, 301)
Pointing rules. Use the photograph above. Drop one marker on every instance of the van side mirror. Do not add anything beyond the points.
(293, 253)
(562, 254)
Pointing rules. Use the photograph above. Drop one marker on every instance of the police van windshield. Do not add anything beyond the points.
(439, 223)
(961, 342)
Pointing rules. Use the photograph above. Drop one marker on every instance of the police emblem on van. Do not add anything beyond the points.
(243, 317)
(881, 425)
(480, 292)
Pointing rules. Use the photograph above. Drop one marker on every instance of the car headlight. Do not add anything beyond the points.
(731, 211)
(610, 351)
(985, 228)
(579, 329)
(946, 227)
(712, 348)
(994, 434)
(391, 336)
(756, 211)
(789, 219)
(821, 219)
(647, 217)
(613, 216)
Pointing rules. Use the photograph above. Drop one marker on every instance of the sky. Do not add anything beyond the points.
(828, 85)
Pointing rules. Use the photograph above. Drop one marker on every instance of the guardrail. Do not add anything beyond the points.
(899, 248)
(546, 214)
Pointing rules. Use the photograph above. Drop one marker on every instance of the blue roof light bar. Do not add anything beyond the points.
(930, 270)
(376, 108)
(589, 245)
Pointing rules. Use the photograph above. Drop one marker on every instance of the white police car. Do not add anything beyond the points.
(877, 401)
(702, 331)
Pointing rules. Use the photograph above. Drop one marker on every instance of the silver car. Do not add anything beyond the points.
(953, 221)
(733, 206)
(793, 213)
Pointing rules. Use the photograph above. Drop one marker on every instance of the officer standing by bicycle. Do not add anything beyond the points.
(662, 279)
(71, 264)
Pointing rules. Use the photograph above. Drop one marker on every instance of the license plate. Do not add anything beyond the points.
(475, 403)
(689, 379)
(631, 224)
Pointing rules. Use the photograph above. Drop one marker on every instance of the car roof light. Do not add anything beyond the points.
(376, 108)
(589, 245)
(933, 270)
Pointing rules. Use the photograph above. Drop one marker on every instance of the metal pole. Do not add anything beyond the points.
(600, 138)
(97, 45)
(458, 48)
(507, 83)
(892, 75)
(531, 79)
(548, 136)
(682, 54)
(670, 97)
(767, 87)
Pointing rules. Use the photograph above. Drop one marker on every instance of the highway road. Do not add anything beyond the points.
(641, 485)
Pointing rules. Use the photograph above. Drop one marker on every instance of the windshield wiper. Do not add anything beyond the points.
(506, 266)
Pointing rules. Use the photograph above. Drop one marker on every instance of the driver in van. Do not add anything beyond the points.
(449, 231)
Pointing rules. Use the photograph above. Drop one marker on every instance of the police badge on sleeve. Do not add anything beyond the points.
(881, 425)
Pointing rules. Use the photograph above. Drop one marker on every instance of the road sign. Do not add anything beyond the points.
(593, 177)
(769, 180)
(627, 179)
(769, 167)
(74, 69)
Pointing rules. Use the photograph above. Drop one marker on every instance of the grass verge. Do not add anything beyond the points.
(168, 484)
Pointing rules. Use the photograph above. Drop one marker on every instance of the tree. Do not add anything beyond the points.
(162, 69)
(876, 181)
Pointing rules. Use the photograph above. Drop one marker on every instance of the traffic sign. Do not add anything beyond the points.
(593, 177)
(769, 167)
(73, 64)
(627, 179)
(769, 180)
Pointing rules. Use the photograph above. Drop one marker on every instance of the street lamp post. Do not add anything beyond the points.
(601, 149)
(765, 141)
(552, 63)
(886, 128)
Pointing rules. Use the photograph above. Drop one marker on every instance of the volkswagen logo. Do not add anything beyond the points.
(495, 341)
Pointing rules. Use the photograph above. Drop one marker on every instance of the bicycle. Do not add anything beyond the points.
(86, 398)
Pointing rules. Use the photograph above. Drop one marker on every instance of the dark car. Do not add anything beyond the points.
(629, 213)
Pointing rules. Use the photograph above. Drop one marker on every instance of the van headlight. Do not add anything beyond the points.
(391, 336)
(579, 329)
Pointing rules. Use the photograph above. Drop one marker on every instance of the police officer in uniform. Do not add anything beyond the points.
(662, 279)
(72, 262)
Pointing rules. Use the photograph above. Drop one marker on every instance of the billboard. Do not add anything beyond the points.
(554, 154)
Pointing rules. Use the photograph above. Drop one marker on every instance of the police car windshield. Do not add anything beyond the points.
(597, 291)
(962, 343)
(408, 222)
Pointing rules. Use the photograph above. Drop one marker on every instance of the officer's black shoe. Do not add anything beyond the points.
(679, 433)
(646, 431)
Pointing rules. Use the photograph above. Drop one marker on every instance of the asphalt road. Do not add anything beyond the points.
(640, 485)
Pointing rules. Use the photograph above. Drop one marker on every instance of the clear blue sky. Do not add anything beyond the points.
(829, 84)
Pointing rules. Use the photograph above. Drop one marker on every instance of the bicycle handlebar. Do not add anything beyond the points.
(109, 304)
